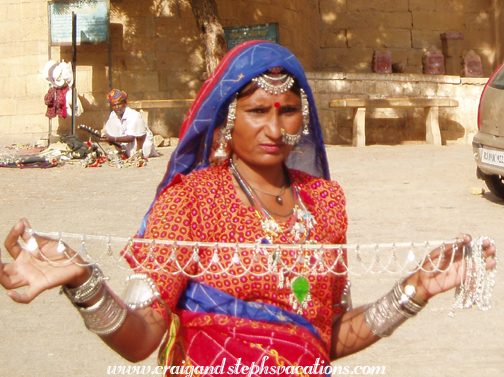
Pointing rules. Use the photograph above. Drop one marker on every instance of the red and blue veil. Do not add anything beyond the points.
(209, 110)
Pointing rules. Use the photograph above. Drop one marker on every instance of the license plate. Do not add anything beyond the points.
(492, 157)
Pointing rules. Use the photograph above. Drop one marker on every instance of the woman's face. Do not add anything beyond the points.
(257, 133)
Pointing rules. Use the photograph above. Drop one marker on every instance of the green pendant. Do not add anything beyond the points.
(300, 288)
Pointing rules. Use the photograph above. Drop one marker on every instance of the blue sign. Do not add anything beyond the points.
(92, 21)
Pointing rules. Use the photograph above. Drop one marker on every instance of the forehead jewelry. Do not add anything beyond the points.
(274, 82)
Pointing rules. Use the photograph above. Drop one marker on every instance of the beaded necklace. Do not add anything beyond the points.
(299, 226)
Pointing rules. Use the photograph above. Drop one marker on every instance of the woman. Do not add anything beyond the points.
(250, 168)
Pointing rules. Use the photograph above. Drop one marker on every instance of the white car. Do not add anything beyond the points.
(488, 143)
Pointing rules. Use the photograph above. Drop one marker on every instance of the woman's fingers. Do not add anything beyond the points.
(489, 253)
(10, 278)
(443, 256)
(25, 297)
(12, 240)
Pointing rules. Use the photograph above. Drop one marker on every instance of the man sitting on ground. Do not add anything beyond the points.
(127, 127)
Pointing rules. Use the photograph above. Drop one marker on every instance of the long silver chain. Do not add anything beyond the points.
(476, 288)
(367, 258)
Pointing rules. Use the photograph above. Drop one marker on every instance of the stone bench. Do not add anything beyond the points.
(359, 105)
(145, 105)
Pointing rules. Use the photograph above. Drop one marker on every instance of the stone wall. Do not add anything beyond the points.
(156, 50)
(499, 32)
(298, 23)
(397, 126)
(23, 53)
(156, 54)
(353, 29)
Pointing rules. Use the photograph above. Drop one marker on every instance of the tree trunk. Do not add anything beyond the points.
(212, 32)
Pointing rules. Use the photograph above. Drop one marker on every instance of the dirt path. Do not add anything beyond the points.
(394, 194)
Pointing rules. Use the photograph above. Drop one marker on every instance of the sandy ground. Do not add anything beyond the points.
(408, 193)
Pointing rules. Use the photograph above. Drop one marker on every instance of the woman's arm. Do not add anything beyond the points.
(352, 331)
(139, 336)
(140, 333)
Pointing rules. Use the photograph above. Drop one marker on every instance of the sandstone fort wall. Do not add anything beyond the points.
(156, 54)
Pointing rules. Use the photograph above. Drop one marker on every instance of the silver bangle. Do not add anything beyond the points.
(88, 290)
(383, 316)
(346, 297)
(141, 291)
(405, 301)
(106, 316)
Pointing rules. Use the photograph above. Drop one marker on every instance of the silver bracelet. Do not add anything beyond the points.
(88, 290)
(141, 291)
(405, 301)
(383, 316)
(106, 316)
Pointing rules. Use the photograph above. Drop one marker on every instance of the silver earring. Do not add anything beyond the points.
(305, 106)
(221, 152)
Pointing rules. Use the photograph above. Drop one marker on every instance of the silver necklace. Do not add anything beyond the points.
(269, 210)
(249, 191)
(277, 196)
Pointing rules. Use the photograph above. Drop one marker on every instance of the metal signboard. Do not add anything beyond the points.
(92, 21)
(238, 34)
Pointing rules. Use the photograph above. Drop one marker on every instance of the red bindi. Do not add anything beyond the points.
(277, 105)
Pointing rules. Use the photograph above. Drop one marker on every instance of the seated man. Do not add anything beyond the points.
(127, 127)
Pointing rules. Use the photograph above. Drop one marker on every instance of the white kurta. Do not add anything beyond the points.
(131, 124)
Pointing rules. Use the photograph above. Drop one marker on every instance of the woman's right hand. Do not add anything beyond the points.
(445, 267)
(31, 271)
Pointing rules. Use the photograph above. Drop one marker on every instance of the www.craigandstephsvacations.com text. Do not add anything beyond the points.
(245, 370)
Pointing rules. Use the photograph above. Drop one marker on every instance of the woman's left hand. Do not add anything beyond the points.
(444, 268)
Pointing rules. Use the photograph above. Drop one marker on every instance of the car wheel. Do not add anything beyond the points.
(496, 184)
